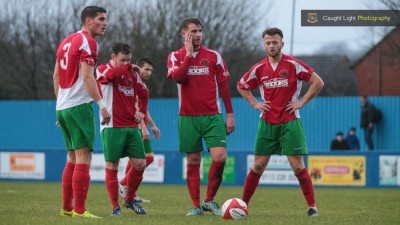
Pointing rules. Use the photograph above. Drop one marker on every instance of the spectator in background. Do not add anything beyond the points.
(339, 143)
(367, 120)
(352, 139)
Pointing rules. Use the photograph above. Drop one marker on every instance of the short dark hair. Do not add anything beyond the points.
(271, 31)
(91, 11)
(189, 20)
(140, 62)
(123, 48)
(339, 133)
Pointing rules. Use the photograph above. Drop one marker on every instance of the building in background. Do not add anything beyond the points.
(378, 70)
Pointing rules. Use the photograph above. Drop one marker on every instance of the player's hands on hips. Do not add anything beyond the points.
(262, 106)
(292, 106)
(139, 116)
(146, 134)
(230, 123)
(156, 131)
(105, 115)
(188, 44)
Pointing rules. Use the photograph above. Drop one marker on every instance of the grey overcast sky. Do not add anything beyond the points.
(308, 40)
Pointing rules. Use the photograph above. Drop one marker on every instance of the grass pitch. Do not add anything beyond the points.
(23, 203)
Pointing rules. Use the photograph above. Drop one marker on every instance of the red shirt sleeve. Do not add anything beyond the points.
(249, 81)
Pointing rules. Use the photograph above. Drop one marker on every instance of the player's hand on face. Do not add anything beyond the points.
(262, 106)
(156, 131)
(139, 116)
(106, 116)
(146, 134)
(230, 123)
(292, 106)
(188, 43)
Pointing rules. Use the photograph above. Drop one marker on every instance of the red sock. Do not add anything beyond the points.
(193, 183)
(128, 167)
(214, 179)
(134, 180)
(66, 183)
(149, 160)
(80, 184)
(112, 186)
(250, 185)
(306, 186)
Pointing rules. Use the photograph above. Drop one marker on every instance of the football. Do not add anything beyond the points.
(234, 209)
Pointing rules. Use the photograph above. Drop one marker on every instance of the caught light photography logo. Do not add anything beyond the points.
(312, 17)
(350, 17)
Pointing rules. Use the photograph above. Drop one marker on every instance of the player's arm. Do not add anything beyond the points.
(143, 98)
(179, 74)
(226, 98)
(248, 96)
(145, 132)
(316, 85)
(56, 79)
(153, 126)
(113, 73)
(91, 87)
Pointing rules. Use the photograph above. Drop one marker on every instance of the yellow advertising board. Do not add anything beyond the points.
(337, 170)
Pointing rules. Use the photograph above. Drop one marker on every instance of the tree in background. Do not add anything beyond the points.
(29, 38)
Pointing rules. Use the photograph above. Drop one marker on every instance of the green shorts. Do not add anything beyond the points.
(77, 126)
(193, 128)
(282, 139)
(121, 142)
(148, 148)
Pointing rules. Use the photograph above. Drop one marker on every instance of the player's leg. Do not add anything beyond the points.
(214, 133)
(78, 127)
(193, 181)
(149, 160)
(66, 183)
(294, 146)
(253, 177)
(66, 180)
(112, 186)
(297, 164)
(123, 183)
(190, 143)
(81, 125)
(113, 143)
(135, 151)
(81, 179)
(267, 144)
(148, 148)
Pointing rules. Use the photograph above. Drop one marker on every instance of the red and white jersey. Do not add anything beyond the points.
(74, 49)
(280, 86)
(198, 94)
(120, 96)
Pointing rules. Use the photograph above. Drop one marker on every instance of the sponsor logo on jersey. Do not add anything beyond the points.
(128, 91)
(204, 62)
(283, 73)
(276, 83)
(198, 70)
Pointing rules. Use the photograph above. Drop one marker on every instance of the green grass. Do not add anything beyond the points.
(39, 203)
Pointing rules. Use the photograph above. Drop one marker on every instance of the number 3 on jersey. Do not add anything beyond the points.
(64, 59)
